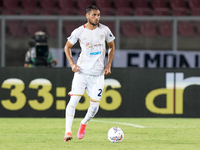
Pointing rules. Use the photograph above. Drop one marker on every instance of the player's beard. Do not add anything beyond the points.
(93, 23)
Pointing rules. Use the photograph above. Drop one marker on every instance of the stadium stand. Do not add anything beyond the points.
(148, 29)
(66, 12)
(141, 8)
(104, 4)
(142, 12)
(10, 7)
(49, 11)
(124, 12)
(194, 5)
(195, 12)
(118, 7)
(108, 8)
(186, 29)
(51, 28)
(48, 4)
(81, 12)
(110, 24)
(176, 4)
(29, 4)
(122, 4)
(34, 26)
(10, 4)
(16, 29)
(180, 12)
(66, 4)
(82, 4)
(1, 5)
(129, 29)
(29, 7)
(140, 4)
(67, 7)
(69, 27)
(179, 7)
(123, 8)
(160, 7)
(197, 27)
(161, 12)
(165, 28)
(159, 4)
(10, 11)
(29, 11)
(107, 12)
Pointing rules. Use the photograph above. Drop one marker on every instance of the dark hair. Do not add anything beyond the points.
(90, 7)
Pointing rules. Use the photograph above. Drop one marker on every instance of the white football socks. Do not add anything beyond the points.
(70, 112)
(92, 110)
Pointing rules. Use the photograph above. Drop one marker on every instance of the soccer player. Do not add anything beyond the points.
(89, 71)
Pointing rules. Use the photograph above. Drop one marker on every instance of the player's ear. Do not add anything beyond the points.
(87, 15)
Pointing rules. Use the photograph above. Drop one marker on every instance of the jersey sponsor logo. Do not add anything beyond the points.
(95, 53)
(91, 47)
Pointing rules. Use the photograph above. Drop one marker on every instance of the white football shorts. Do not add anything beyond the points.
(93, 84)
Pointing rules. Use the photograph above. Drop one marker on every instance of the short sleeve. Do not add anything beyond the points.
(73, 37)
(109, 36)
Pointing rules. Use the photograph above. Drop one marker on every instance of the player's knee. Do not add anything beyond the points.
(94, 107)
(73, 101)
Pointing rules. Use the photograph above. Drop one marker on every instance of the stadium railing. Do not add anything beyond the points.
(116, 19)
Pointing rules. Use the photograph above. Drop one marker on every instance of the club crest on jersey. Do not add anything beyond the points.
(101, 36)
(89, 46)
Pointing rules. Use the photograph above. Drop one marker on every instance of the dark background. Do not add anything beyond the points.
(135, 85)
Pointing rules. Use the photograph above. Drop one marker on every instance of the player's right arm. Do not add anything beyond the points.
(68, 53)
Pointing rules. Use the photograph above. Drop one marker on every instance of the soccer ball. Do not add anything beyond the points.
(115, 135)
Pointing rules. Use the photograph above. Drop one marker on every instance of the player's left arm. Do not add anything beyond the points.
(111, 52)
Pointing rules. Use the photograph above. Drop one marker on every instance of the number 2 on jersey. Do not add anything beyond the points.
(100, 92)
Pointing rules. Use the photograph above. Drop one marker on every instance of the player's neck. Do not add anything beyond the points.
(90, 26)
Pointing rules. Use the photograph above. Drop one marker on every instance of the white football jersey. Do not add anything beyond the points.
(93, 48)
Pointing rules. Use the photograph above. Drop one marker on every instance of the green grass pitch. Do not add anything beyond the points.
(140, 134)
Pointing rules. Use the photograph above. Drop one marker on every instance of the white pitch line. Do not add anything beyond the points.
(126, 124)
